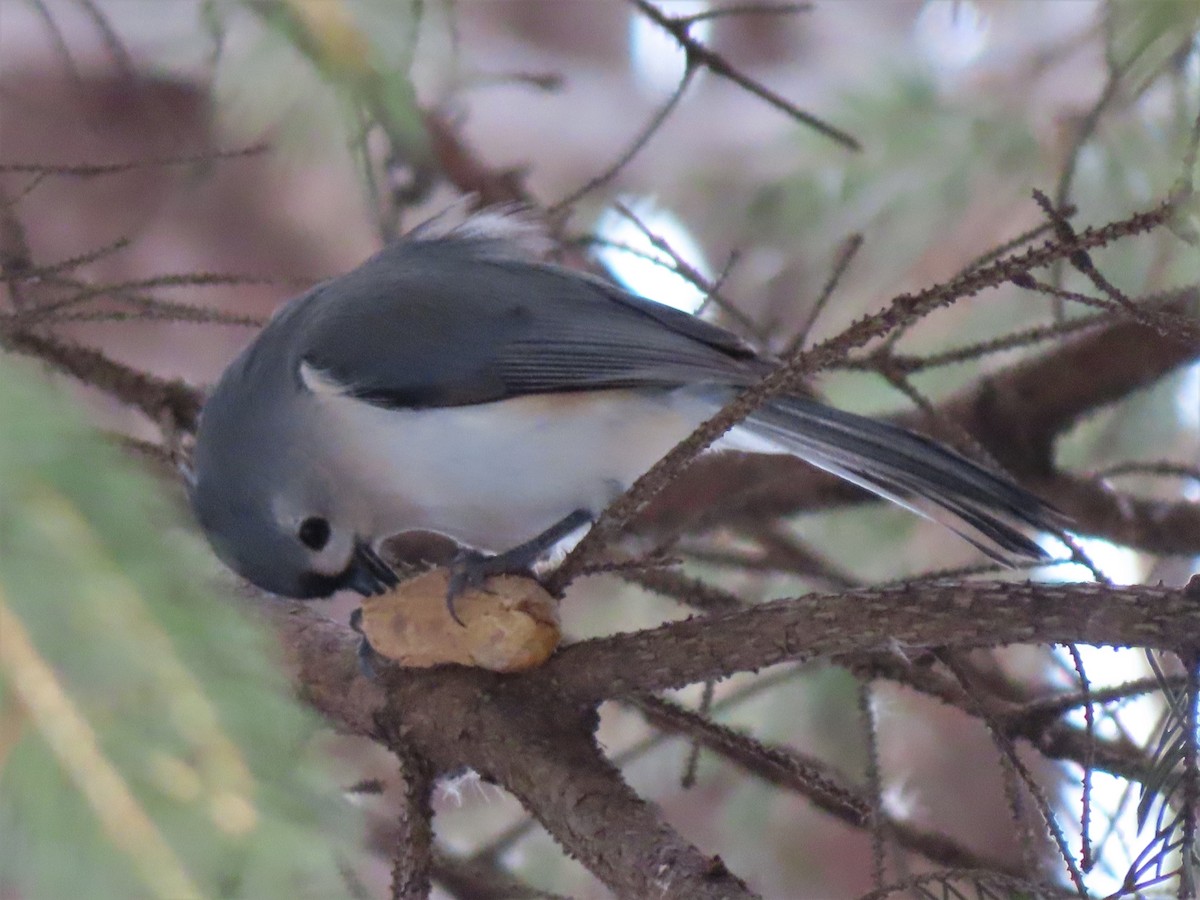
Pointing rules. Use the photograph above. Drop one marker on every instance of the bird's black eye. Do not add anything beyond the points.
(314, 533)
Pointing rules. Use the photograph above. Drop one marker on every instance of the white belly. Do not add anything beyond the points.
(494, 475)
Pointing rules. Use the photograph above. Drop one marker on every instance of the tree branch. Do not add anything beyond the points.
(531, 733)
(412, 854)
(158, 398)
(476, 880)
(1015, 414)
(521, 734)
(964, 615)
(517, 731)
(813, 779)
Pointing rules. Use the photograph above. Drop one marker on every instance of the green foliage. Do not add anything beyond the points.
(322, 74)
(1145, 37)
(149, 746)
(920, 168)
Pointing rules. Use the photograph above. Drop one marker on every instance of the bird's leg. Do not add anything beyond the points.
(471, 568)
(366, 653)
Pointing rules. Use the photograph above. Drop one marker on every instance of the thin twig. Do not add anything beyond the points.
(698, 54)
(61, 47)
(1012, 244)
(1169, 324)
(846, 252)
(971, 352)
(112, 41)
(874, 786)
(822, 784)
(636, 145)
(1018, 767)
(693, 757)
(965, 441)
(690, 273)
(686, 590)
(745, 9)
(173, 404)
(784, 551)
(1086, 861)
(1087, 127)
(1164, 468)
(83, 259)
(1004, 886)
(1082, 262)
(93, 170)
(1190, 777)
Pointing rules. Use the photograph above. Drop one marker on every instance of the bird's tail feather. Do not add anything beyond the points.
(981, 505)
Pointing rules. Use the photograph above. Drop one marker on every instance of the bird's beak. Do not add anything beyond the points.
(367, 573)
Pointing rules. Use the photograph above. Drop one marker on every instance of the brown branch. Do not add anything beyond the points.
(1036, 721)
(529, 735)
(693, 592)
(517, 731)
(92, 170)
(463, 168)
(534, 733)
(519, 734)
(1020, 412)
(971, 614)
(172, 403)
(471, 879)
(412, 856)
(499, 844)
(986, 884)
(825, 787)
(1159, 526)
(966, 614)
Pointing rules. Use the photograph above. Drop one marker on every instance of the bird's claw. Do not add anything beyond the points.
(471, 569)
(366, 653)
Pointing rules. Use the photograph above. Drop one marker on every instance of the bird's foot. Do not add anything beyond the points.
(470, 568)
(367, 656)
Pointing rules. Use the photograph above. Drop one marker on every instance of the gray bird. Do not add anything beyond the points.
(453, 383)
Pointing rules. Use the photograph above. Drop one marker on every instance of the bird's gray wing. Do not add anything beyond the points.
(436, 323)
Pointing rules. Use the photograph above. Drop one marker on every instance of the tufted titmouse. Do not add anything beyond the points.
(454, 384)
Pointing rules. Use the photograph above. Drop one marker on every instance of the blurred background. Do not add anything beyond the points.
(961, 108)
